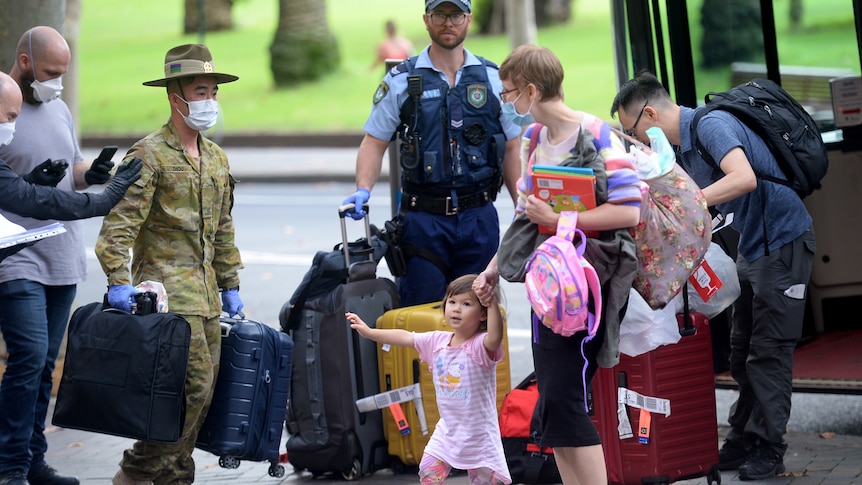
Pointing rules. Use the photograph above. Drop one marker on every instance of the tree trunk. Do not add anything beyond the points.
(731, 32)
(303, 49)
(72, 27)
(795, 15)
(15, 20)
(520, 22)
(216, 16)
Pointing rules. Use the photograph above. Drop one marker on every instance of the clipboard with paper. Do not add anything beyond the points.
(12, 234)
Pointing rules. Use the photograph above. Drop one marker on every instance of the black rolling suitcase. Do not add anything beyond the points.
(246, 418)
(333, 366)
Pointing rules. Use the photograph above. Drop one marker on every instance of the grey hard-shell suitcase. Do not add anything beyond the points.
(333, 367)
(246, 418)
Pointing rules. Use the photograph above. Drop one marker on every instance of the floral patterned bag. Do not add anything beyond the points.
(672, 236)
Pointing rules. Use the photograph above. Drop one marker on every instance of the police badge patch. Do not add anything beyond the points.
(477, 95)
(381, 92)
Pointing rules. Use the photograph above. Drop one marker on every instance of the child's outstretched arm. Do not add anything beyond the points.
(391, 336)
(494, 338)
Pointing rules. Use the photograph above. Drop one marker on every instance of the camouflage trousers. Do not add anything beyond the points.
(172, 463)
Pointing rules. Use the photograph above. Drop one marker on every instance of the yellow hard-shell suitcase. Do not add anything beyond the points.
(401, 367)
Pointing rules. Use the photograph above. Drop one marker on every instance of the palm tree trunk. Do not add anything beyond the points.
(303, 49)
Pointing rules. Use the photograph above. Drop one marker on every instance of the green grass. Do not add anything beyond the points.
(123, 44)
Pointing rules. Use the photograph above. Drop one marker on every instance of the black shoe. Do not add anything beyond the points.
(766, 462)
(732, 454)
(45, 475)
(14, 478)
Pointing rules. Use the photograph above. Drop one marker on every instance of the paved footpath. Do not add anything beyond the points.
(93, 458)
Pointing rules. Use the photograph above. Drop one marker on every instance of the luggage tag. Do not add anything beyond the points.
(705, 281)
(400, 419)
(644, 422)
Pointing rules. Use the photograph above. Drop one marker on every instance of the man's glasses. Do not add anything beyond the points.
(637, 120)
(440, 18)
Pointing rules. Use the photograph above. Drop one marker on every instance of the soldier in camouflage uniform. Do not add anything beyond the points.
(177, 221)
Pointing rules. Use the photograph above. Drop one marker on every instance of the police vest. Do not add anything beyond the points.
(455, 139)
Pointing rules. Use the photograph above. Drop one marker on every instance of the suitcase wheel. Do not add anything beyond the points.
(228, 462)
(714, 476)
(355, 471)
(276, 470)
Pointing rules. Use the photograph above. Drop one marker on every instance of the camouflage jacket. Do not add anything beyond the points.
(177, 221)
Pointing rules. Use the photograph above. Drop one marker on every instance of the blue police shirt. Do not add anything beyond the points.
(782, 210)
(392, 92)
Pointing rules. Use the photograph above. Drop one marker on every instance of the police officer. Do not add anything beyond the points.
(456, 151)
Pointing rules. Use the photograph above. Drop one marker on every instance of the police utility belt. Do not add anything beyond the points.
(447, 205)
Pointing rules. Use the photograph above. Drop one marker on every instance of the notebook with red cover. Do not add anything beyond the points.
(564, 190)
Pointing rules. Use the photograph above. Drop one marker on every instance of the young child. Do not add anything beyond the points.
(463, 363)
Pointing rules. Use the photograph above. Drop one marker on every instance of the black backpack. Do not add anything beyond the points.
(782, 123)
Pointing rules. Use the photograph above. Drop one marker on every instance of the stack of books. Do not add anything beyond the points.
(564, 188)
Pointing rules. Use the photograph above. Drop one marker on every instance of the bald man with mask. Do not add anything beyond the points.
(38, 283)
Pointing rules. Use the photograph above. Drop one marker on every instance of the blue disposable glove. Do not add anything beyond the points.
(230, 302)
(358, 199)
(120, 296)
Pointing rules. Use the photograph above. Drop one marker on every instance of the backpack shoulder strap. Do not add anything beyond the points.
(535, 131)
(595, 285)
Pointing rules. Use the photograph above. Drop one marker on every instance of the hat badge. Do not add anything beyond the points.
(208, 67)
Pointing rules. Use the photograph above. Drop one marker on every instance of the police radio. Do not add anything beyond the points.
(414, 90)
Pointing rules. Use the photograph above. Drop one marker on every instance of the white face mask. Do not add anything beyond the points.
(7, 129)
(203, 114)
(45, 91)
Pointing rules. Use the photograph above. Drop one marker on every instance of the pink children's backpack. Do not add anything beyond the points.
(560, 281)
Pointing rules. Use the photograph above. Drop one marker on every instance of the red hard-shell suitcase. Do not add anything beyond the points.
(681, 445)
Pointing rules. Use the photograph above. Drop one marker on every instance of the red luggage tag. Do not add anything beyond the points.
(400, 419)
(705, 281)
(643, 427)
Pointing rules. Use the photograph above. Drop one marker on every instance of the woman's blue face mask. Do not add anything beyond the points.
(509, 111)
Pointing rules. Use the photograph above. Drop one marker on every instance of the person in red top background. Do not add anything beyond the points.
(392, 47)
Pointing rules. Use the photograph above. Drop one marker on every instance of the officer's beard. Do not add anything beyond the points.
(446, 42)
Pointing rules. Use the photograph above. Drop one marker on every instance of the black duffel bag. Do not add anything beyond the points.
(124, 374)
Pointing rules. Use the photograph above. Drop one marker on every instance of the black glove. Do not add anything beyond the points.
(99, 172)
(126, 175)
(48, 173)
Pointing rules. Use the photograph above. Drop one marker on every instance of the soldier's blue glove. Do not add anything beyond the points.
(120, 296)
(230, 302)
(358, 199)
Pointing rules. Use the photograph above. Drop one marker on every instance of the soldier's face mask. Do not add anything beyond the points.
(203, 114)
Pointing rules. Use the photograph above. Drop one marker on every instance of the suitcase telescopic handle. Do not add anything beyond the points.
(342, 212)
